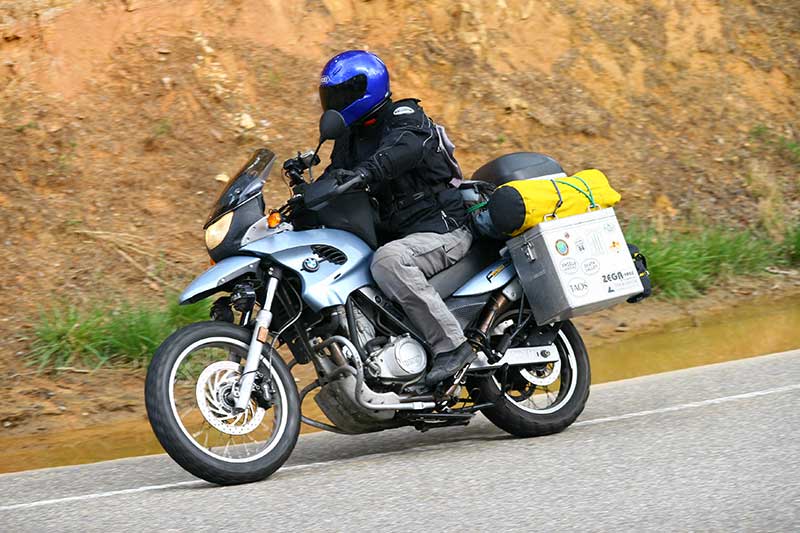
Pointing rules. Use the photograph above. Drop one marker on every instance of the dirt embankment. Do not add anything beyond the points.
(115, 116)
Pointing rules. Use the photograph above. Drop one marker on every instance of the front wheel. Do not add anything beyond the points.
(189, 399)
(540, 399)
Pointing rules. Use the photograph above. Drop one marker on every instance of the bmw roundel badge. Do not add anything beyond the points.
(310, 264)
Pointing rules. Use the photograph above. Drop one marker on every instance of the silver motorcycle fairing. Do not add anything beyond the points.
(208, 282)
(324, 282)
(491, 278)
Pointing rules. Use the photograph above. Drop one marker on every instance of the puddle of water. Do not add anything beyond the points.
(130, 438)
(78, 446)
(764, 327)
(760, 328)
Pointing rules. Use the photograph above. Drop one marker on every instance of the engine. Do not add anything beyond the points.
(400, 360)
(390, 362)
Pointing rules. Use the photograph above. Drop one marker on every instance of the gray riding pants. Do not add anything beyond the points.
(402, 268)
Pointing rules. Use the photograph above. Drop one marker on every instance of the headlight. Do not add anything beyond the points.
(217, 231)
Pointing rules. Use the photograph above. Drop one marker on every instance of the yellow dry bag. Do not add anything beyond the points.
(519, 205)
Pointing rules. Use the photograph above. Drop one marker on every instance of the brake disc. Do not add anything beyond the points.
(544, 376)
(214, 394)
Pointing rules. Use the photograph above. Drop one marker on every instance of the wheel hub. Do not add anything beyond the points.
(215, 398)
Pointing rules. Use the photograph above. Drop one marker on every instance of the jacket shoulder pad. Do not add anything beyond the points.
(406, 111)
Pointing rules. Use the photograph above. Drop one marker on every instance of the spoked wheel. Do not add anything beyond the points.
(189, 395)
(543, 398)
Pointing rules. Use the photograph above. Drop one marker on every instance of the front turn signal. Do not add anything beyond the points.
(274, 219)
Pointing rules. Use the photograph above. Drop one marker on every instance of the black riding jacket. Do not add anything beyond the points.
(398, 150)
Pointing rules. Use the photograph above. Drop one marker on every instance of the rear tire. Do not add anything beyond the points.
(511, 417)
(171, 432)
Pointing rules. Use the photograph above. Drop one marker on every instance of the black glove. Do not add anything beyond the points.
(340, 175)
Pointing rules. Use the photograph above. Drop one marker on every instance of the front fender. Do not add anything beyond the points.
(209, 281)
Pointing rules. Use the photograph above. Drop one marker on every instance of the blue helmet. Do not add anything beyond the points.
(354, 83)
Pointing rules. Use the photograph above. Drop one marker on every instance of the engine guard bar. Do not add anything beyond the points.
(358, 372)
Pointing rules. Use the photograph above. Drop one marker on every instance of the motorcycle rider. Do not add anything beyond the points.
(395, 147)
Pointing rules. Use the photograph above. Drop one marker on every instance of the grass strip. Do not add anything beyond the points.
(685, 264)
(95, 336)
(792, 244)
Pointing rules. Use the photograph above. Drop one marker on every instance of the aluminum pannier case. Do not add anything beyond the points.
(574, 266)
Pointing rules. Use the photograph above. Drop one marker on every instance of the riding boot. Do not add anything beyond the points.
(447, 364)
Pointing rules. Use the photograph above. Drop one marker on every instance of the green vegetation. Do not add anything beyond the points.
(787, 148)
(32, 125)
(792, 244)
(684, 264)
(162, 127)
(64, 163)
(126, 335)
(790, 147)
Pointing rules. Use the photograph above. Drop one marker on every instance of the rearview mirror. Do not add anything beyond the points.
(331, 125)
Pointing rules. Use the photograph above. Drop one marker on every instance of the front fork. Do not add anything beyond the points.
(257, 342)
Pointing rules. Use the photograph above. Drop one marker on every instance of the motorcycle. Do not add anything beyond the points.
(224, 404)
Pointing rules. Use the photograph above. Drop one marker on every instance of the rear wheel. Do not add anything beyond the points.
(189, 398)
(540, 399)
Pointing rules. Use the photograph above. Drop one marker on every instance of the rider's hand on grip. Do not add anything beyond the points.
(342, 175)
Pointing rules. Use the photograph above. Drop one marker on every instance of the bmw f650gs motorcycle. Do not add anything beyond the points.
(225, 406)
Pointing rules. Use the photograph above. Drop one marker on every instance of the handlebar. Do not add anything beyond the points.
(295, 166)
(316, 194)
(309, 158)
(344, 187)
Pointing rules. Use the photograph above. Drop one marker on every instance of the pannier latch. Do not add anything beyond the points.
(529, 253)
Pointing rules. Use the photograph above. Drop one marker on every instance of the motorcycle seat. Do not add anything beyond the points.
(481, 254)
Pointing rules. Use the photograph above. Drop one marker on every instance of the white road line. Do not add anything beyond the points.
(684, 406)
(97, 495)
(626, 416)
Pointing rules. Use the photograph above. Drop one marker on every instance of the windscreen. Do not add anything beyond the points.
(244, 186)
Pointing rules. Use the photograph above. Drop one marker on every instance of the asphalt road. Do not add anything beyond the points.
(708, 448)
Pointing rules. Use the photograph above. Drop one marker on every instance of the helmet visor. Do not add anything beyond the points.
(342, 95)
